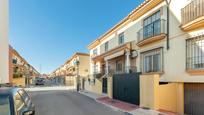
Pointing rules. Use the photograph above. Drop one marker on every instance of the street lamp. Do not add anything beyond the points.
(77, 79)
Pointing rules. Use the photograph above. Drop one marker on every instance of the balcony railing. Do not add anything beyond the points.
(153, 29)
(96, 75)
(129, 69)
(192, 11)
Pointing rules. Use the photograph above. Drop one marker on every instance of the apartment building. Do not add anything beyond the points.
(4, 46)
(76, 65)
(162, 42)
(21, 72)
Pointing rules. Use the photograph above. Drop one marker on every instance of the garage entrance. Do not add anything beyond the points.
(194, 98)
(126, 87)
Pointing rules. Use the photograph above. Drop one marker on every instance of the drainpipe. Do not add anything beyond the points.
(167, 43)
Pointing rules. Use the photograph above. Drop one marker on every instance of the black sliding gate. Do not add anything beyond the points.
(126, 88)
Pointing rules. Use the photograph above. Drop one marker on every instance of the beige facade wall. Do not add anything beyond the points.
(147, 88)
(10, 64)
(19, 81)
(157, 96)
(84, 66)
(4, 47)
(110, 87)
(97, 87)
(69, 80)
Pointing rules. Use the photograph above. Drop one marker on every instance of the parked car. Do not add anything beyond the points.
(15, 101)
(40, 81)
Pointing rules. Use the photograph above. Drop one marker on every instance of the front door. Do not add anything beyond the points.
(104, 86)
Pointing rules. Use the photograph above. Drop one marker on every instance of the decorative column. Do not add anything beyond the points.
(127, 61)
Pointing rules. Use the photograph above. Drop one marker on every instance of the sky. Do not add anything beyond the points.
(47, 32)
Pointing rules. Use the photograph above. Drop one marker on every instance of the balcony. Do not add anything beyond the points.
(96, 75)
(153, 32)
(192, 15)
(117, 49)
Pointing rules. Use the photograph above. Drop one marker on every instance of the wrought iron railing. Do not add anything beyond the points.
(195, 53)
(126, 69)
(153, 29)
(96, 75)
(192, 11)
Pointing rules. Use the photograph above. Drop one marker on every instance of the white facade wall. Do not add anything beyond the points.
(4, 47)
(174, 63)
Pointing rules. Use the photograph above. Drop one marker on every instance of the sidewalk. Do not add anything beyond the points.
(51, 88)
(127, 108)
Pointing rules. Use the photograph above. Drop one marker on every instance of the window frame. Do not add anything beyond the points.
(152, 53)
(149, 25)
(23, 103)
(95, 69)
(121, 37)
(106, 46)
(24, 93)
(95, 52)
(194, 52)
(9, 100)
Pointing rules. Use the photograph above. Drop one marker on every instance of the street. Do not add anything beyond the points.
(68, 102)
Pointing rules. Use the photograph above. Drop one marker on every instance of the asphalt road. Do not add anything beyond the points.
(68, 103)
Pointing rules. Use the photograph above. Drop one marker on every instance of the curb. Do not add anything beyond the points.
(109, 106)
(112, 107)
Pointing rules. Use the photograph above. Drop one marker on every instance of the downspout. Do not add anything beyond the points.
(167, 41)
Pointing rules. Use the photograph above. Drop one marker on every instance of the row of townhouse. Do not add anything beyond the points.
(4, 42)
(154, 57)
(74, 71)
(21, 73)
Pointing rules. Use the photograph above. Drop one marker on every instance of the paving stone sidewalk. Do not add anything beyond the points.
(129, 109)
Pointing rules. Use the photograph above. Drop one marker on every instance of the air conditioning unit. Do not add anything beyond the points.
(134, 54)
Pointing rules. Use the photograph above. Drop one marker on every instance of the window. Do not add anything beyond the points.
(24, 95)
(4, 105)
(121, 39)
(14, 61)
(152, 61)
(106, 46)
(95, 52)
(18, 102)
(119, 66)
(195, 52)
(95, 69)
(152, 25)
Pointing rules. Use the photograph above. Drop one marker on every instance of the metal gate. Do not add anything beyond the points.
(194, 99)
(126, 88)
(104, 86)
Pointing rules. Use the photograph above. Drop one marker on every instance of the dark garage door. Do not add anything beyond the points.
(194, 99)
(126, 88)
